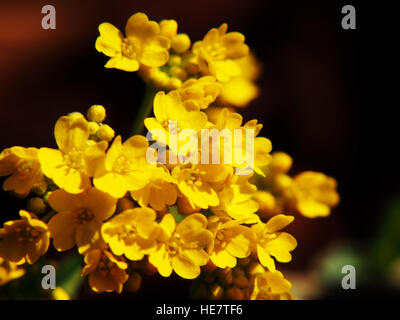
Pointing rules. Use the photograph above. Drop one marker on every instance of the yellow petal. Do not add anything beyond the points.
(185, 268)
(62, 229)
(278, 222)
(222, 259)
(265, 259)
(123, 63)
(71, 131)
(110, 40)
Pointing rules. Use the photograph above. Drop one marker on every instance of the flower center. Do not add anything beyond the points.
(267, 237)
(74, 159)
(221, 238)
(122, 165)
(127, 231)
(84, 216)
(27, 233)
(217, 51)
(128, 50)
(105, 266)
(27, 167)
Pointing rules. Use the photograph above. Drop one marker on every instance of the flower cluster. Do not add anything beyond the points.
(127, 215)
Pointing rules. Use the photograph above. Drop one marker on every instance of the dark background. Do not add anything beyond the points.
(310, 104)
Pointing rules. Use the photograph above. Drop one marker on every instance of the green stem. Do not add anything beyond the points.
(144, 111)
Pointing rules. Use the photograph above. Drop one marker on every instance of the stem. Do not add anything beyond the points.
(144, 111)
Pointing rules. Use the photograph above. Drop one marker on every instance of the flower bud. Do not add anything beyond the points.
(281, 162)
(180, 43)
(36, 205)
(105, 132)
(93, 127)
(96, 113)
(134, 282)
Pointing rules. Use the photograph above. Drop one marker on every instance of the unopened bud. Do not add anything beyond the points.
(281, 162)
(134, 282)
(36, 205)
(105, 132)
(96, 113)
(180, 43)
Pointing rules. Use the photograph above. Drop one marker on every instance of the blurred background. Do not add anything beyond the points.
(310, 105)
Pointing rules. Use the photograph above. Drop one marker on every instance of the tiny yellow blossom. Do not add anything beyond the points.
(124, 167)
(198, 94)
(217, 53)
(79, 218)
(132, 233)
(107, 273)
(74, 163)
(180, 246)
(236, 199)
(143, 44)
(169, 108)
(159, 192)
(232, 121)
(23, 166)
(270, 242)
(271, 286)
(199, 183)
(231, 240)
(241, 90)
(24, 240)
(315, 194)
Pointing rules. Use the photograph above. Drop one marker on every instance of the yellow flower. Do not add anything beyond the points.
(180, 246)
(24, 240)
(241, 90)
(315, 194)
(132, 232)
(200, 183)
(271, 286)
(231, 240)
(232, 121)
(9, 271)
(74, 163)
(272, 243)
(217, 52)
(124, 168)
(236, 199)
(198, 94)
(158, 192)
(106, 272)
(79, 218)
(23, 166)
(169, 108)
(143, 44)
